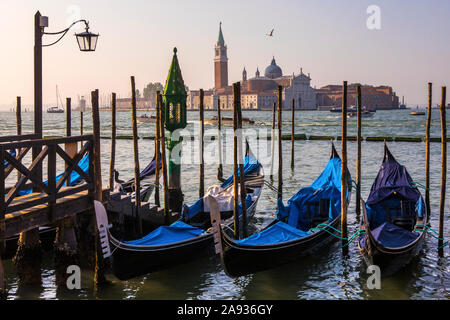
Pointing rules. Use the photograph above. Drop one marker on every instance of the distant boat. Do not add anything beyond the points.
(56, 109)
(364, 114)
(146, 119)
(417, 113)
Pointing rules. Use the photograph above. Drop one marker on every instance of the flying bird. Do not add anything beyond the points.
(270, 34)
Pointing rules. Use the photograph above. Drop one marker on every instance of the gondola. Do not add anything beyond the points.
(390, 214)
(292, 234)
(146, 177)
(47, 234)
(188, 238)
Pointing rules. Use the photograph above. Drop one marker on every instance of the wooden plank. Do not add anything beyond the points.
(44, 142)
(24, 137)
(25, 220)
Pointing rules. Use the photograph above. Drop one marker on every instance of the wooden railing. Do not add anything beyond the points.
(50, 149)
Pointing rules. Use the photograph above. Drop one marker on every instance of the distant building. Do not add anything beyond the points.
(381, 97)
(258, 92)
(141, 103)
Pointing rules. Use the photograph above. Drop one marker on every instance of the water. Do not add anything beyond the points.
(324, 276)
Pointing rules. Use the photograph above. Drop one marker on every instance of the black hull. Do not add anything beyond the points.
(131, 261)
(390, 261)
(129, 264)
(240, 260)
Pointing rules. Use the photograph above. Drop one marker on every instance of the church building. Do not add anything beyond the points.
(258, 92)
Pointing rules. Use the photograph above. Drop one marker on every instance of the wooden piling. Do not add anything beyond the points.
(81, 122)
(292, 132)
(112, 160)
(280, 150)
(219, 141)
(427, 152)
(68, 117)
(164, 162)
(443, 171)
(19, 123)
(344, 170)
(157, 150)
(28, 258)
(241, 165)
(235, 163)
(19, 116)
(99, 272)
(3, 293)
(358, 150)
(272, 138)
(201, 187)
(137, 182)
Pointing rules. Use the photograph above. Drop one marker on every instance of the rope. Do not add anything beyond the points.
(427, 229)
(349, 240)
(419, 185)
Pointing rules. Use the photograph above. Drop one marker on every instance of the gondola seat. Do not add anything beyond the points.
(407, 218)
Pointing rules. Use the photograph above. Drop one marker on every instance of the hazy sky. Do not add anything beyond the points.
(328, 38)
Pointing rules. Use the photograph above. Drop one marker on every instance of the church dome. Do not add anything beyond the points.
(273, 71)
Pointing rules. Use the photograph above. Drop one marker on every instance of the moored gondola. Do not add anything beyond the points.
(301, 228)
(390, 215)
(188, 238)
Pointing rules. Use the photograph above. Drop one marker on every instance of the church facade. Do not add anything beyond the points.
(258, 92)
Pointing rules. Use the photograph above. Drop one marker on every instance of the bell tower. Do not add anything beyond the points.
(220, 62)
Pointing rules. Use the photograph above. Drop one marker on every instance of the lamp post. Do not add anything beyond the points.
(174, 102)
(87, 41)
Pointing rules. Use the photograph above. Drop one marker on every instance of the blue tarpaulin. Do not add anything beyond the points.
(75, 178)
(13, 154)
(279, 232)
(177, 231)
(304, 204)
(392, 185)
(391, 236)
(250, 165)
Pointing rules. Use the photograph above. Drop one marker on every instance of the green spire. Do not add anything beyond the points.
(174, 83)
(220, 40)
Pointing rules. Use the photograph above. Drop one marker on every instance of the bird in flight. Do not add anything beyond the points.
(270, 34)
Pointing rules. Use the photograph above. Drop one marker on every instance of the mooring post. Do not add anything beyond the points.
(292, 133)
(137, 183)
(65, 246)
(81, 122)
(219, 141)
(443, 171)
(28, 256)
(241, 165)
(19, 116)
(19, 123)
(164, 162)
(157, 150)
(358, 150)
(112, 161)
(427, 152)
(68, 117)
(201, 188)
(344, 170)
(280, 151)
(235, 163)
(272, 140)
(99, 272)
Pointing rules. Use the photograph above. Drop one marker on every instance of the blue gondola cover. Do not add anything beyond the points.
(391, 236)
(251, 164)
(279, 232)
(177, 231)
(299, 208)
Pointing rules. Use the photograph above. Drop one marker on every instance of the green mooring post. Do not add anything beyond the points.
(174, 100)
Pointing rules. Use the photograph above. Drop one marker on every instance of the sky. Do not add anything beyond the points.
(329, 39)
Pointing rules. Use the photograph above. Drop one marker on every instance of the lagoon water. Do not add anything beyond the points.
(327, 275)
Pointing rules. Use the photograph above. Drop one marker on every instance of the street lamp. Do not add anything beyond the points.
(87, 41)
